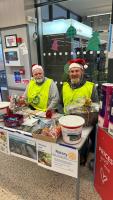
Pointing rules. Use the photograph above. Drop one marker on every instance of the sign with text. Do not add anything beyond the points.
(103, 180)
(22, 146)
(44, 154)
(58, 158)
(65, 160)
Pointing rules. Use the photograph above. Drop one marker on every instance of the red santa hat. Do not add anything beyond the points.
(78, 63)
(35, 67)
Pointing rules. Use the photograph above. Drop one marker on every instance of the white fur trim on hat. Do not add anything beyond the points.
(75, 65)
(36, 67)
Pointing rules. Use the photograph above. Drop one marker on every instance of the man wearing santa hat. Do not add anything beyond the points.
(41, 92)
(77, 88)
(75, 91)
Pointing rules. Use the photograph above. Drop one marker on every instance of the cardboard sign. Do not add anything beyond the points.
(65, 160)
(22, 146)
(103, 180)
(58, 158)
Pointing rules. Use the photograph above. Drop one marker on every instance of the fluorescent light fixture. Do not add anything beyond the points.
(99, 14)
(60, 27)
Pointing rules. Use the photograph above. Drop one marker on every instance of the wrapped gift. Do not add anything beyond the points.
(104, 112)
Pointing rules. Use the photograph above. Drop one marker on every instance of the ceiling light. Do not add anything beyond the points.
(99, 14)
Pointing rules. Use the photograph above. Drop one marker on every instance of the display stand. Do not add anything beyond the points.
(58, 157)
(103, 179)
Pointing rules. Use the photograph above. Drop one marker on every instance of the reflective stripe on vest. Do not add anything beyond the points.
(38, 94)
(71, 96)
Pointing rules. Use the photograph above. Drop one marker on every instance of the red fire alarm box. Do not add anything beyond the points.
(22, 71)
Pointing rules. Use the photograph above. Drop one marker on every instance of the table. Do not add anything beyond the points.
(60, 157)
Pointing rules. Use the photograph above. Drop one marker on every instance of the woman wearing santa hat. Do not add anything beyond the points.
(41, 92)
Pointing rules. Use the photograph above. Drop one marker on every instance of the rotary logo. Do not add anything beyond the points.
(71, 156)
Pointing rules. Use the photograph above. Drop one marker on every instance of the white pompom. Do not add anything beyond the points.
(85, 66)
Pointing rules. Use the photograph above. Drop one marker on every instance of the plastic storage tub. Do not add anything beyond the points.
(71, 126)
(13, 120)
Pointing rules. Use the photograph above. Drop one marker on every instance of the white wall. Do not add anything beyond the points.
(21, 32)
(29, 8)
(11, 13)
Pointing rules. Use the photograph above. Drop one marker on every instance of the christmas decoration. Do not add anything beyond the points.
(55, 45)
(66, 68)
(65, 74)
(19, 40)
(71, 32)
(94, 42)
(16, 102)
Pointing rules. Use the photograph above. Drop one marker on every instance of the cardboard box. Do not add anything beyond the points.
(44, 137)
(48, 134)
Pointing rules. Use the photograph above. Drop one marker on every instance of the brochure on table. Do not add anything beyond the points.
(56, 157)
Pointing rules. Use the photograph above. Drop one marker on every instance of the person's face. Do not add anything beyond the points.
(38, 75)
(75, 74)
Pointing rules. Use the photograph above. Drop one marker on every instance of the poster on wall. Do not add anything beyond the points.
(1, 57)
(4, 147)
(22, 146)
(12, 57)
(11, 41)
(103, 179)
(44, 154)
(23, 49)
(110, 41)
(0, 100)
(17, 77)
(65, 160)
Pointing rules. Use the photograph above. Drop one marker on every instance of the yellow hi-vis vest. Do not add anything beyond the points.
(71, 96)
(37, 95)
